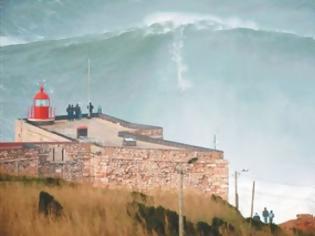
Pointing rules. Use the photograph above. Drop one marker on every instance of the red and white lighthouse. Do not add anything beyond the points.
(41, 111)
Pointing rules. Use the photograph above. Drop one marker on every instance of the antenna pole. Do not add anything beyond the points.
(89, 81)
(215, 142)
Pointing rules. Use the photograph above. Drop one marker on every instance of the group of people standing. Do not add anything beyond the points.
(74, 112)
(266, 215)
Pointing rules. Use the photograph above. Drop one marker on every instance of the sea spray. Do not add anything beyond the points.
(251, 79)
(181, 68)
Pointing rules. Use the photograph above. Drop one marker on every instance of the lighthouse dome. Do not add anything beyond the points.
(41, 94)
(41, 110)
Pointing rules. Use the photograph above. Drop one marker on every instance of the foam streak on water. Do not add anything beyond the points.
(181, 68)
(243, 68)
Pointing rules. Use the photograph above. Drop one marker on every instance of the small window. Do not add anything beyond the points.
(42, 102)
(128, 141)
(82, 132)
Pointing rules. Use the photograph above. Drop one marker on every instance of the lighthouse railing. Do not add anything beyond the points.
(51, 112)
(30, 112)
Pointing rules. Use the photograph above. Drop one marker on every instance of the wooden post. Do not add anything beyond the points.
(180, 202)
(236, 193)
(181, 194)
(252, 209)
(253, 197)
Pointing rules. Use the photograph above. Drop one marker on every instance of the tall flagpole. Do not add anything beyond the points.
(89, 82)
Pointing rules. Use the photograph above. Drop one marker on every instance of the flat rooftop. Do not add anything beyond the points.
(106, 130)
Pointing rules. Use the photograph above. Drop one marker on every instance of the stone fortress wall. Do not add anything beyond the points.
(134, 168)
(49, 151)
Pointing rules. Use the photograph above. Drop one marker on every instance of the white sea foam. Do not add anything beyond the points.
(169, 21)
(5, 41)
(173, 20)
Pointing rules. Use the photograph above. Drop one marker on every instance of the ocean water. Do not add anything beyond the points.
(243, 71)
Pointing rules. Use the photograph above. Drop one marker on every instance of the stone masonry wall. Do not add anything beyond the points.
(66, 161)
(145, 169)
(63, 160)
(19, 160)
(134, 168)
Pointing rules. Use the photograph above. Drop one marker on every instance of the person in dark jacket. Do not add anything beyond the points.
(90, 107)
(77, 110)
(256, 217)
(71, 112)
(265, 214)
(68, 110)
(271, 216)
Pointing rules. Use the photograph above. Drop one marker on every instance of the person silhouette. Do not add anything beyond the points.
(265, 214)
(271, 216)
(71, 112)
(77, 110)
(90, 107)
(68, 110)
(256, 217)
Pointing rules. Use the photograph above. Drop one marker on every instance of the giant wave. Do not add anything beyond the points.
(194, 73)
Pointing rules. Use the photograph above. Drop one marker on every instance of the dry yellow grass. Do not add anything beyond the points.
(87, 211)
(95, 211)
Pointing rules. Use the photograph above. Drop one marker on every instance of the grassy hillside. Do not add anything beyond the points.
(94, 211)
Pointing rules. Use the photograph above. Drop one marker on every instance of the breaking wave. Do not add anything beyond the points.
(173, 20)
(169, 21)
(159, 22)
(181, 52)
(225, 68)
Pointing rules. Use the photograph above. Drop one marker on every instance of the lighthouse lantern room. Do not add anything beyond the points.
(41, 111)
